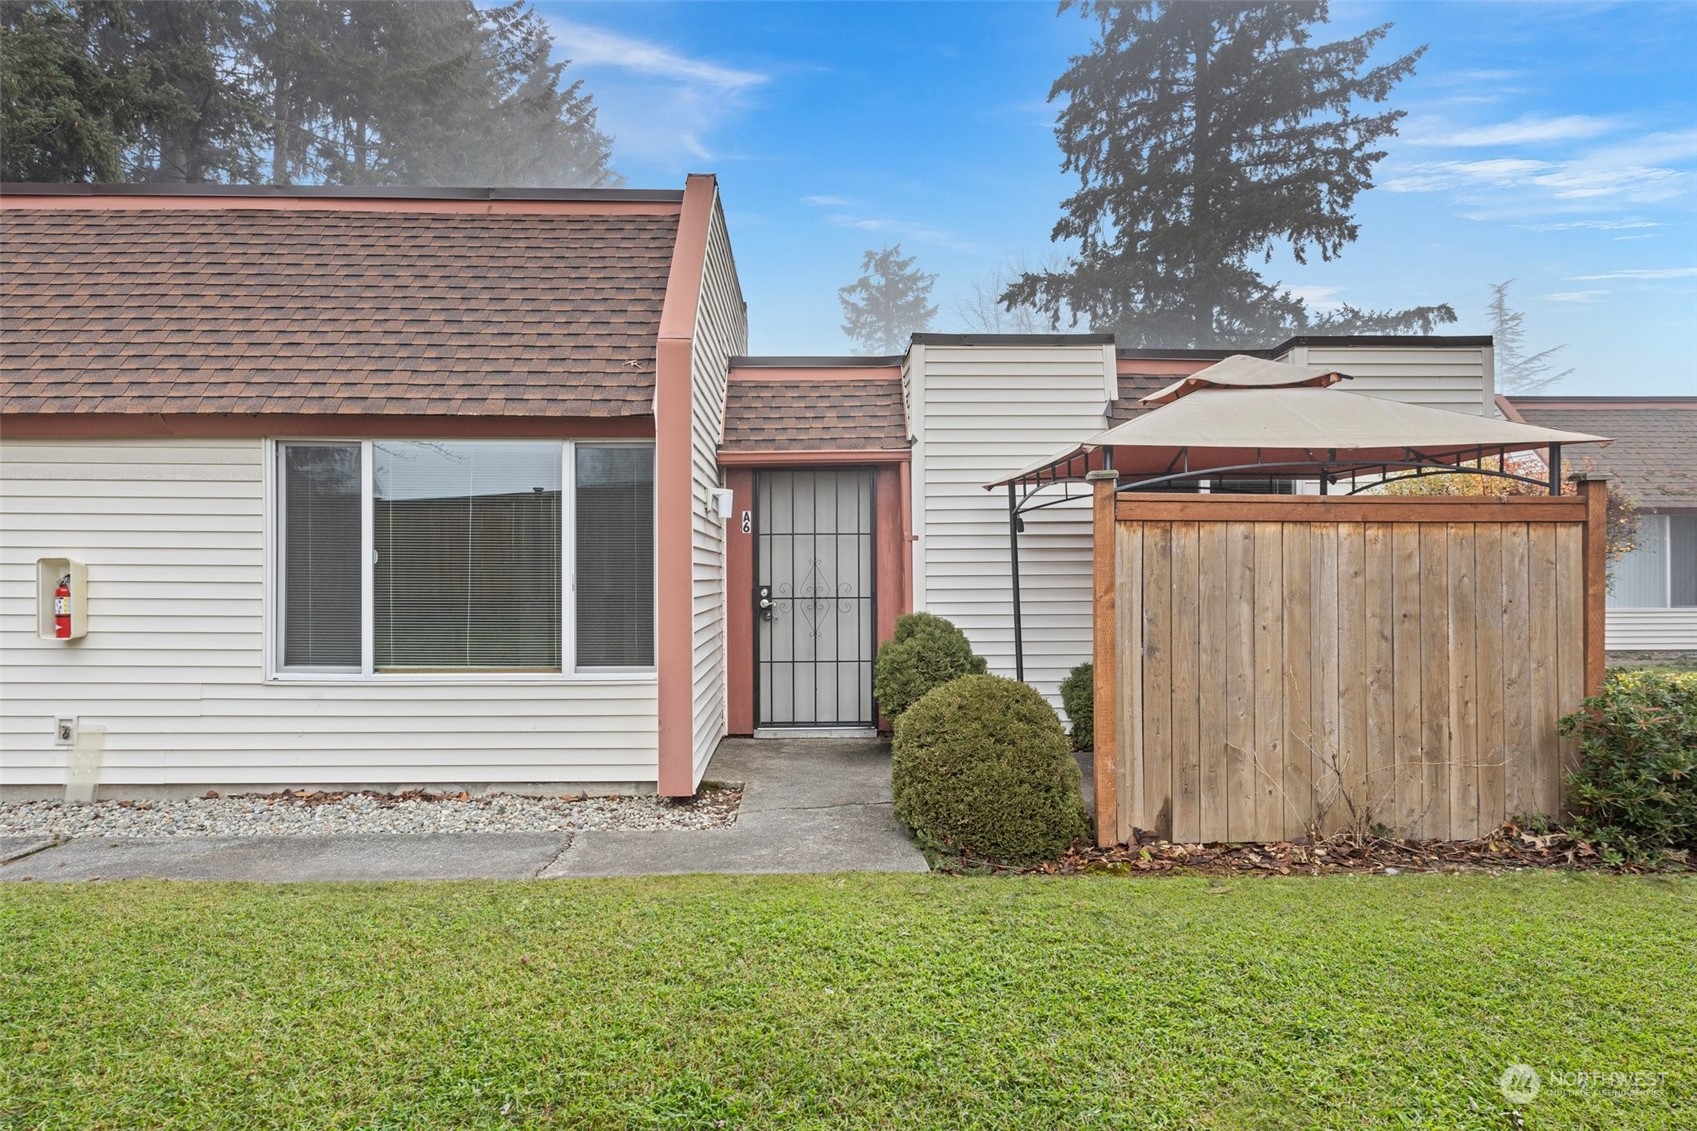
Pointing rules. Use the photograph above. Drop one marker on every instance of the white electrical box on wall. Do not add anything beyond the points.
(61, 615)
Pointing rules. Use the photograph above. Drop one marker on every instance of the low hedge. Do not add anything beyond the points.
(1634, 790)
(1078, 696)
(926, 651)
(980, 767)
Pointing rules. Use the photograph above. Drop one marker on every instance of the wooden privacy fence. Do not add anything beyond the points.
(1265, 665)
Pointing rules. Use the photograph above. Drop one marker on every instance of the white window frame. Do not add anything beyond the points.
(276, 672)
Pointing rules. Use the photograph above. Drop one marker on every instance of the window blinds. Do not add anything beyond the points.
(321, 536)
(1682, 560)
(467, 540)
(615, 556)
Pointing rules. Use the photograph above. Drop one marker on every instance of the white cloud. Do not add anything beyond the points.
(1594, 226)
(1637, 184)
(1438, 176)
(1528, 130)
(910, 230)
(1317, 297)
(1658, 148)
(591, 46)
(1475, 77)
(1584, 166)
(1601, 178)
(660, 105)
(1573, 296)
(1648, 273)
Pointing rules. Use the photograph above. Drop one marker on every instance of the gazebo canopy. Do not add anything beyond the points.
(1249, 416)
(1240, 371)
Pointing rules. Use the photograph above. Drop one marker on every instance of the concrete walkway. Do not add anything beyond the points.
(295, 859)
(813, 805)
(810, 805)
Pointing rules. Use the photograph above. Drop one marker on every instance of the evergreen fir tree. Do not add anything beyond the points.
(293, 92)
(202, 121)
(63, 116)
(888, 303)
(1206, 134)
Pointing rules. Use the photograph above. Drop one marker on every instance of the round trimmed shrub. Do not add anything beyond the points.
(1078, 696)
(910, 625)
(980, 767)
(926, 651)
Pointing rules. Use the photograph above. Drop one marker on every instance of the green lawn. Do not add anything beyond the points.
(914, 1001)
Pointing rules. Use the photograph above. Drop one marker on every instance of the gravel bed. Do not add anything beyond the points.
(318, 814)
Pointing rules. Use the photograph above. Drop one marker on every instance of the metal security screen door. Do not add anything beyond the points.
(814, 640)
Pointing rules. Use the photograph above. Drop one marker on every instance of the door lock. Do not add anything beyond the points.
(763, 601)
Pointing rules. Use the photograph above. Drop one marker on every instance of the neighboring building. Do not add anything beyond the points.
(1652, 601)
(384, 487)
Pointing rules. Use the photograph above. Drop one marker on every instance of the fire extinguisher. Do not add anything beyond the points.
(62, 609)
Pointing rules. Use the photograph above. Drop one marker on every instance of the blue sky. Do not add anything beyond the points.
(1551, 143)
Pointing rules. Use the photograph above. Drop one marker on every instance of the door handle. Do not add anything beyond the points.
(763, 601)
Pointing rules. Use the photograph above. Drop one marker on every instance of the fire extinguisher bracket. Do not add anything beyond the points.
(61, 599)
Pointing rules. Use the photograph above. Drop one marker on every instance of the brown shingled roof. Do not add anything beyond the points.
(846, 412)
(233, 310)
(1654, 453)
(1132, 387)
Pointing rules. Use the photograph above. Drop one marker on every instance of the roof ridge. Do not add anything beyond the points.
(333, 192)
(1553, 401)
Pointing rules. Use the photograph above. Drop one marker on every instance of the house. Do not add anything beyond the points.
(479, 488)
(1652, 599)
(370, 487)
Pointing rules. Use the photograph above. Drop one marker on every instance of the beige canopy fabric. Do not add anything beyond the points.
(1247, 418)
(1240, 371)
(1293, 432)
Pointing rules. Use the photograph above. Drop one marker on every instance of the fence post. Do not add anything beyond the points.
(1104, 658)
(1594, 489)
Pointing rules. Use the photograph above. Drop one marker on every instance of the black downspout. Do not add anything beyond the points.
(1555, 469)
(1013, 557)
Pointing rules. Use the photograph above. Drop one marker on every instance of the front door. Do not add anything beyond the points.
(814, 630)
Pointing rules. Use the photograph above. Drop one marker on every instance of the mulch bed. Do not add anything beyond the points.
(1506, 849)
(714, 798)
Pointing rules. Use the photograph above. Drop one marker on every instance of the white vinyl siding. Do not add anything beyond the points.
(1457, 378)
(1650, 630)
(174, 535)
(981, 412)
(721, 332)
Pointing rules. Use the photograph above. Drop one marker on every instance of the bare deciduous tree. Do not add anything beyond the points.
(981, 310)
